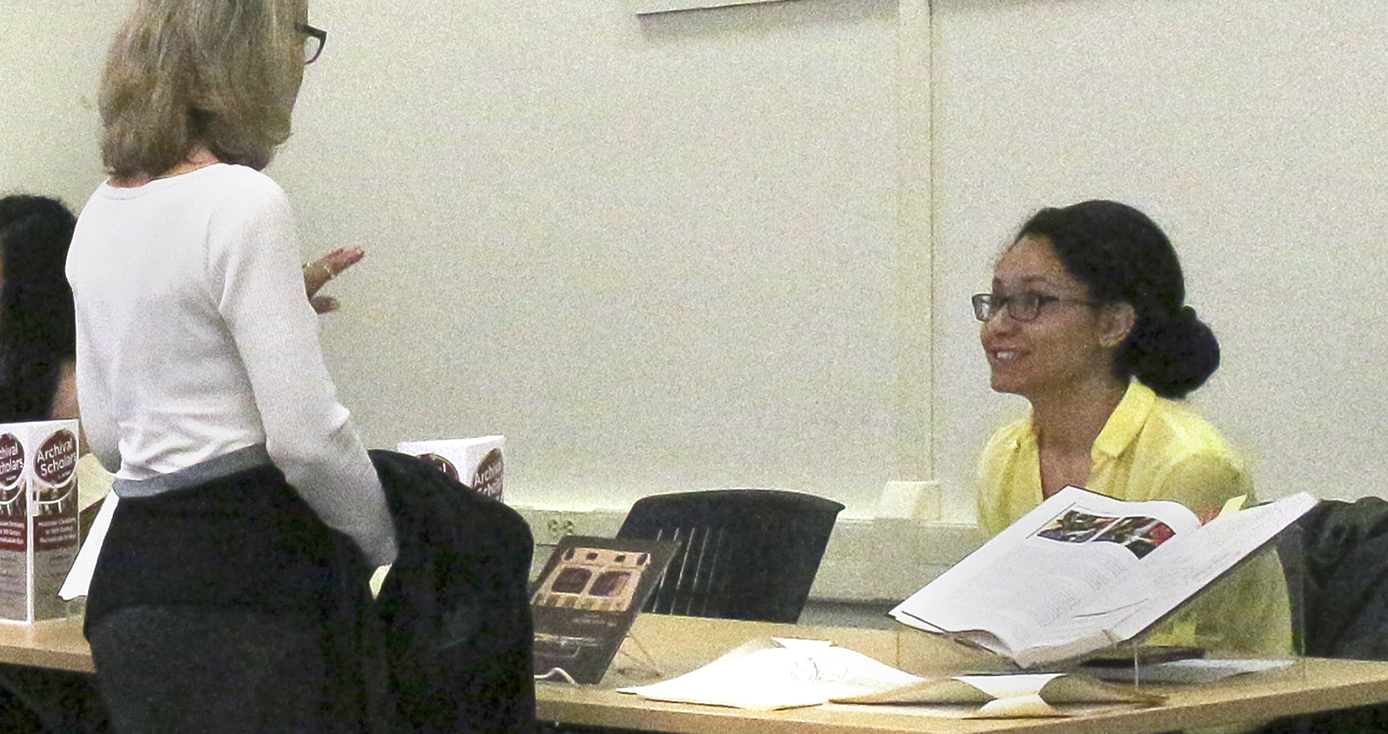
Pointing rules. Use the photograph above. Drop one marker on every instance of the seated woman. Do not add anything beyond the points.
(37, 382)
(1087, 321)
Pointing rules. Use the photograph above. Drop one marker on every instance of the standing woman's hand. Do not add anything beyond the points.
(320, 271)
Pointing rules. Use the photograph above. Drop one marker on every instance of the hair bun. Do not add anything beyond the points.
(1172, 354)
(1122, 256)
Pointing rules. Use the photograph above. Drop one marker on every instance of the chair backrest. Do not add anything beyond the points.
(1336, 559)
(745, 553)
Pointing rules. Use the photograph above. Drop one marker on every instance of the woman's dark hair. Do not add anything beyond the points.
(37, 326)
(1123, 256)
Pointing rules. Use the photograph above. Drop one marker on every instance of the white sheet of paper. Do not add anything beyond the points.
(1010, 686)
(80, 576)
(775, 674)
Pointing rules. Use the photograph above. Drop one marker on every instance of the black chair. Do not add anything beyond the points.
(1336, 559)
(745, 553)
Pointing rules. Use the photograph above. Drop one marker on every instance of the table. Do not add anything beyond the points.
(680, 644)
(52, 644)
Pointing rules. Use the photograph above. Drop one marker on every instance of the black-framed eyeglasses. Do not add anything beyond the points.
(314, 40)
(1022, 306)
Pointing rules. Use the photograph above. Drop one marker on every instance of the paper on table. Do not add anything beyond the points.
(776, 673)
(1013, 695)
(1006, 696)
(80, 576)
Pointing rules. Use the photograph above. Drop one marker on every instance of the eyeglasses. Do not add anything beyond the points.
(314, 39)
(1022, 307)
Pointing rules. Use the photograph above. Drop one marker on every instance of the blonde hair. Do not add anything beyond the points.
(186, 73)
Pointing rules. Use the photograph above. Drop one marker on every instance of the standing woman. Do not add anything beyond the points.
(250, 517)
(1087, 321)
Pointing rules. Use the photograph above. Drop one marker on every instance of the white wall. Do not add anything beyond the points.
(656, 252)
(558, 197)
(50, 60)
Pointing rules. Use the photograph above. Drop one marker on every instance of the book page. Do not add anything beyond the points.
(1172, 574)
(1041, 569)
(1012, 611)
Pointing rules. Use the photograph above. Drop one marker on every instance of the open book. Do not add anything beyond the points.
(1083, 571)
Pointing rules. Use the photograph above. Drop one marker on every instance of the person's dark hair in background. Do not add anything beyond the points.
(1123, 256)
(36, 318)
(37, 349)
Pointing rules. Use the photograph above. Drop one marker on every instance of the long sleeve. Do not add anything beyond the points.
(308, 433)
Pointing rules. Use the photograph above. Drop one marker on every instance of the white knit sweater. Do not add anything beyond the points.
(195, 339)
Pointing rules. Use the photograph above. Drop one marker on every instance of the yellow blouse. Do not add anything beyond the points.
(1152, 448)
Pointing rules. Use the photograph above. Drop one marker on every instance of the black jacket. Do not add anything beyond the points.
(1345, 578)
(455, 607)
(1336, 558)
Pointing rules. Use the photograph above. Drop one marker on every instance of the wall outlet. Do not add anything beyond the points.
(550, 525)
(910, 501)
(558, 527)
